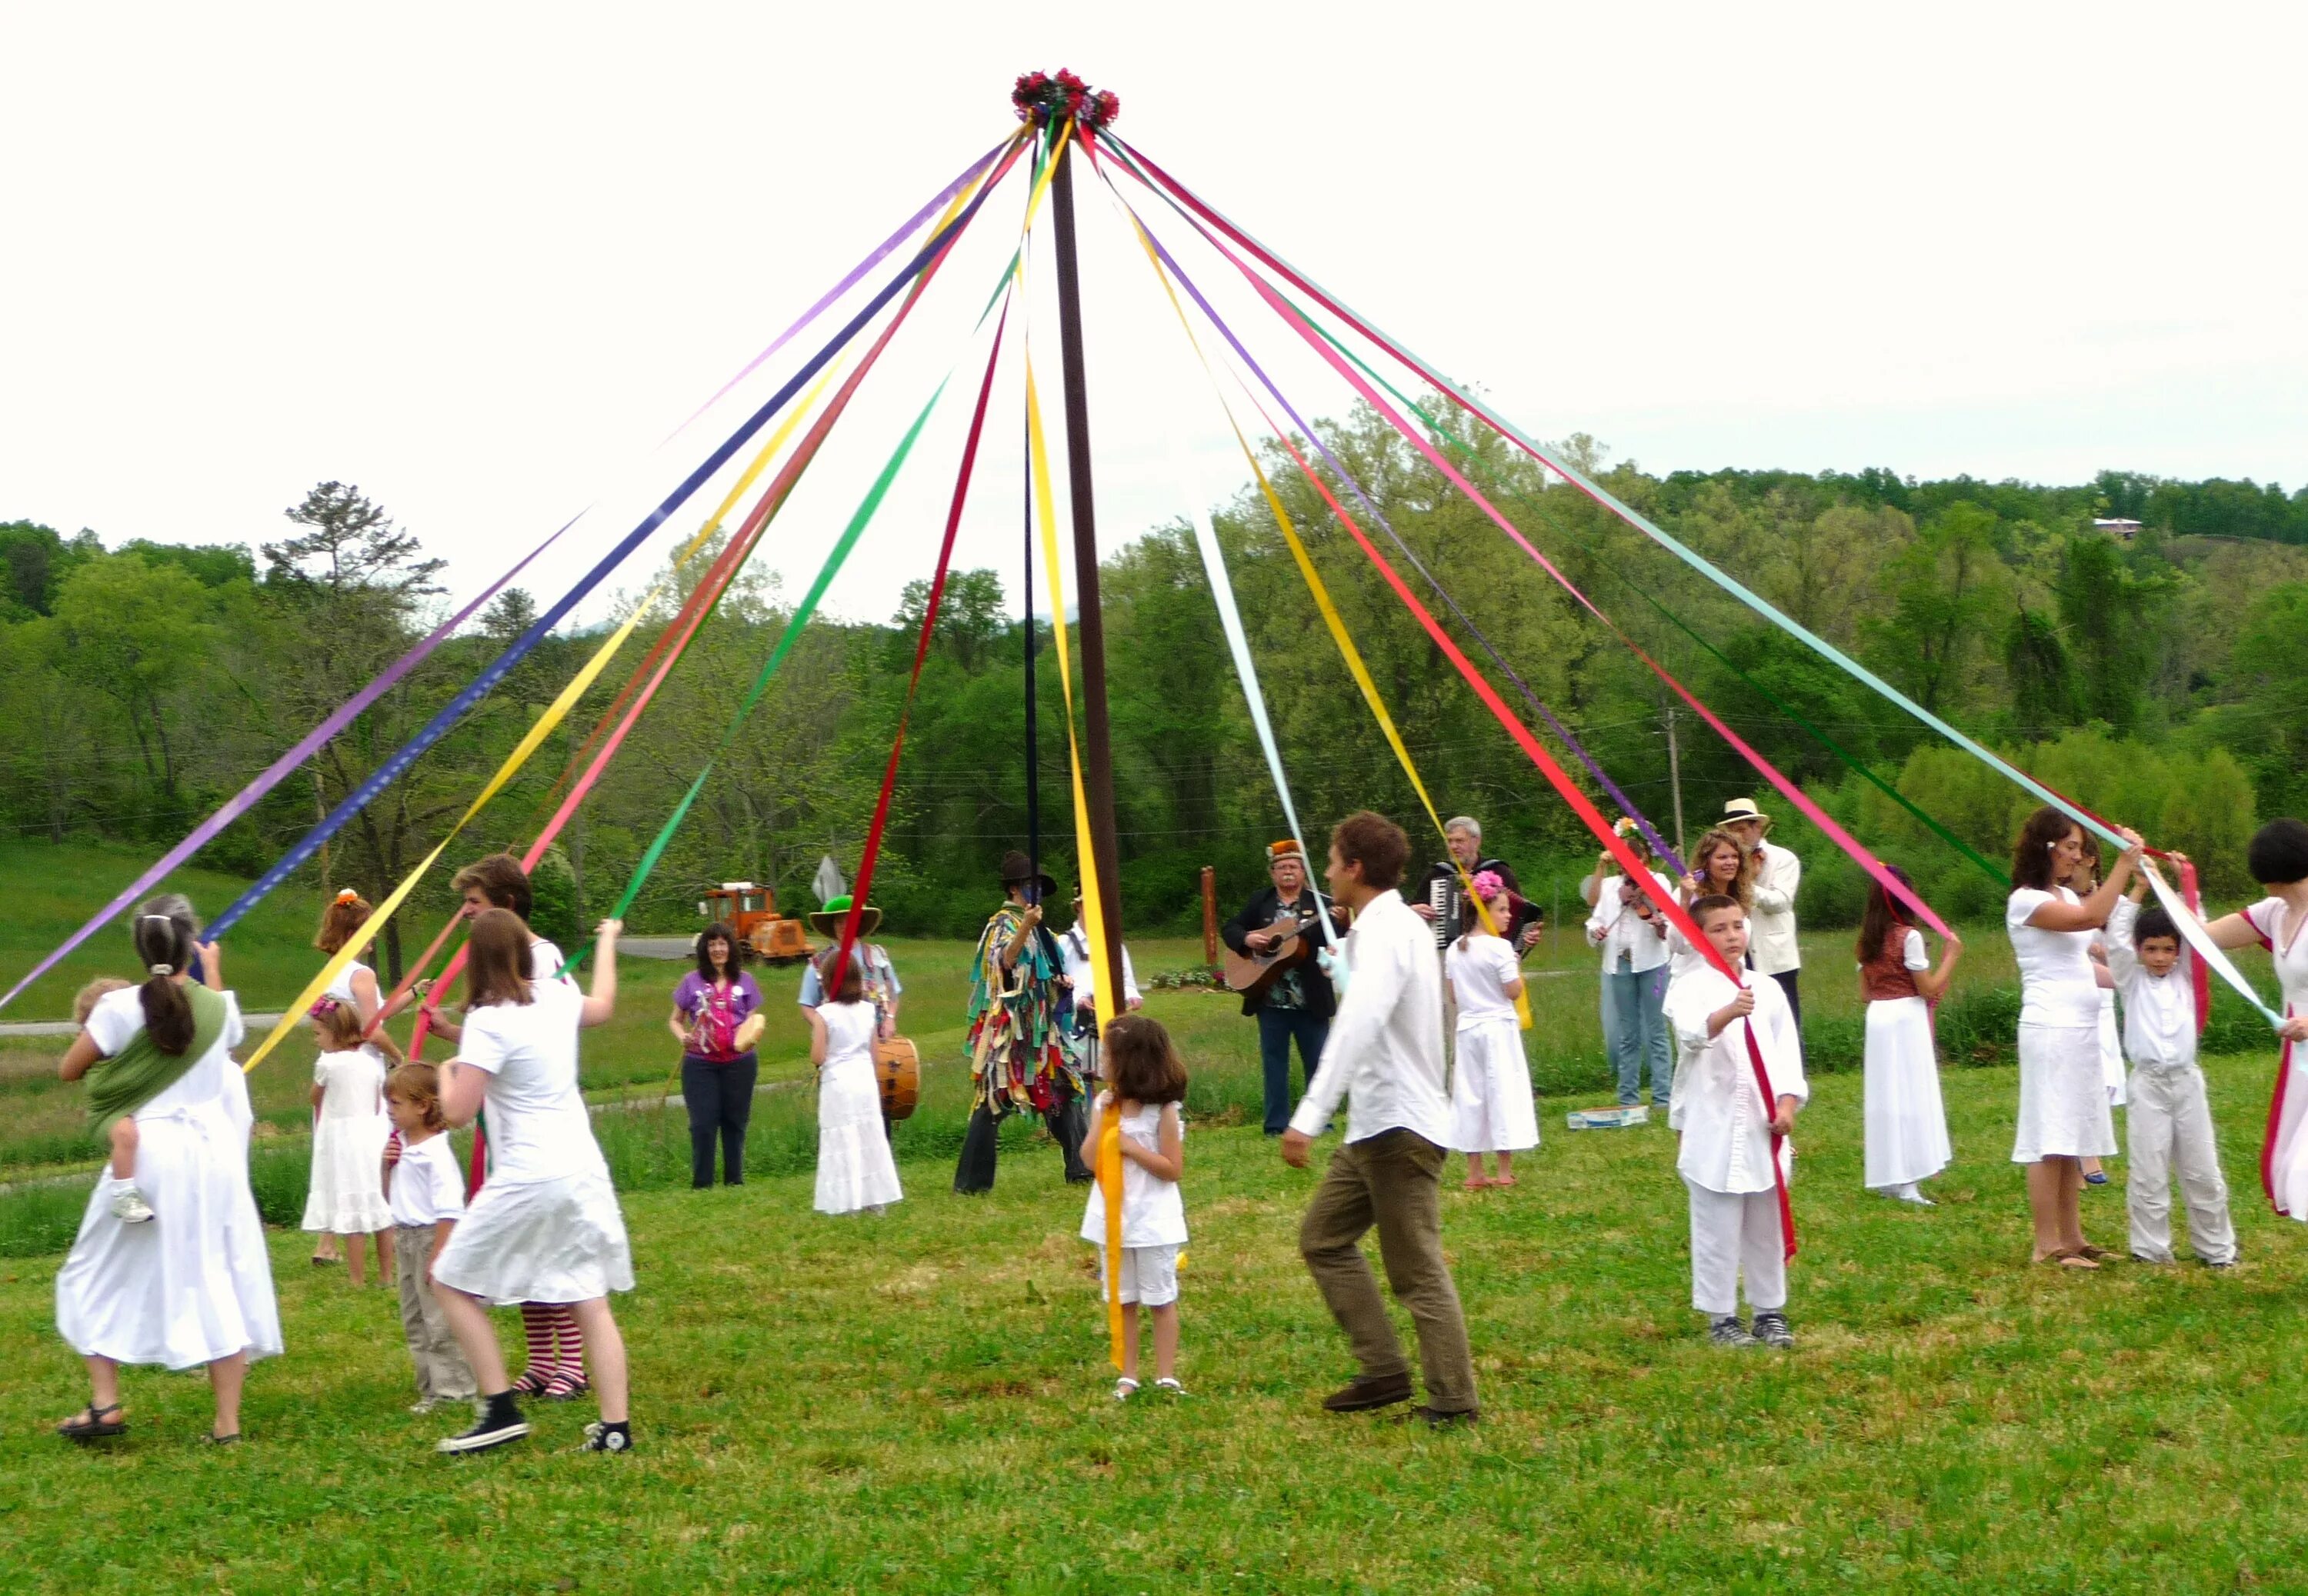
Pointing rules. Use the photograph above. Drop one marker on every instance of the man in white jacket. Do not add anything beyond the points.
(1777, 874)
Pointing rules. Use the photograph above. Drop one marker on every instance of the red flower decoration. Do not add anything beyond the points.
(1041, 98)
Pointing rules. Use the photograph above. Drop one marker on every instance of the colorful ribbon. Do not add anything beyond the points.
(315, 740)
(1899, 890)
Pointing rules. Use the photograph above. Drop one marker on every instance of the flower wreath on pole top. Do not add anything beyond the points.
(1042, 98)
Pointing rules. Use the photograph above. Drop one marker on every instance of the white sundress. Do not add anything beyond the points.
(347, 1194)
(854, 1169)
(193, 1285)
(1492, 1109)
(2063, 1107)
(1905, 1118)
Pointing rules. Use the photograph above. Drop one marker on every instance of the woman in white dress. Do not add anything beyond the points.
(1491, 1106)
(2278, 860)
(546, 1227)
(854, 1169)
(1906, 1120)
(194, 1285)
(2063, 1108)
(343, 1197)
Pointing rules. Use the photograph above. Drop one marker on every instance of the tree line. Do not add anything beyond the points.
(2158, 677)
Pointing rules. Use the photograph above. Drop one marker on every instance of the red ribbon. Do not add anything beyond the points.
(873, 852)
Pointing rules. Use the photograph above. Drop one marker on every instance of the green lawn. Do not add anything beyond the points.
(919, 1403)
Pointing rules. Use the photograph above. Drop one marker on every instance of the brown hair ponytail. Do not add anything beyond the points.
(164, 947)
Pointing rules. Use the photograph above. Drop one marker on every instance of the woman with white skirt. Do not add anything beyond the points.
(854, 1169)
(1491, 1106)
(192, 1286)
(2063, 1108)
(1906, 1122)
(2277, 859)
(546, 1227)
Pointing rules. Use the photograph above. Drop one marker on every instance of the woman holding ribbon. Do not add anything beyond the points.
(2063, 1107)
(192, 1286)
(2278, 860)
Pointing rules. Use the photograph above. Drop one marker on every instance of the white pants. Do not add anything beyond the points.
(1732, 1232)
(1150, 1274)
(2170, 1126)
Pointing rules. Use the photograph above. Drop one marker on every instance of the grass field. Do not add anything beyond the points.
(919, 1403)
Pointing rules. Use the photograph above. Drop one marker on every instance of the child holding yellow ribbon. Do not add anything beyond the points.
(1146, 1083)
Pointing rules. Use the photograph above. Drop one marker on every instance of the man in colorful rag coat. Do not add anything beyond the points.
(1018, 1013)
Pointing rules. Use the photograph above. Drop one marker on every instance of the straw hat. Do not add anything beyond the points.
(1743, 809)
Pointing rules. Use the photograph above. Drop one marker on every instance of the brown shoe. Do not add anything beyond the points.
(1434, 1419)
(1365, 1392)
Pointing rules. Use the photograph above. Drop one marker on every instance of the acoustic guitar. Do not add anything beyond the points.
(1251, 974)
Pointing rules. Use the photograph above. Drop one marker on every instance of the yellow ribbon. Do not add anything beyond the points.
(1109, 1180)
(546, 724)
(1331, 616)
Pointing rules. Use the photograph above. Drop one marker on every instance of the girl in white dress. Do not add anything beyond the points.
(354, 985)
(1147, 1085)
(1491, 1106)
(854, 1169)
(545, 1228)
(2063, 1109)
(1906, 1122)
(348, 1136)
(194, 1285)
(2278, 860)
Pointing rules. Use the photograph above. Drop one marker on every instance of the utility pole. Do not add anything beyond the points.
(1675, 777)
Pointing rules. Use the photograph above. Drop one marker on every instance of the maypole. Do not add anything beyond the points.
(1097, 751)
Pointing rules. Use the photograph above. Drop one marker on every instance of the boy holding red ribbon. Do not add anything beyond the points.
(1735, 1152)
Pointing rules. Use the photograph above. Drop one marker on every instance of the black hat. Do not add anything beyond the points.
(1016, 871)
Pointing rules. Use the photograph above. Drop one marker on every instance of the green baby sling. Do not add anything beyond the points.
(140, 1072)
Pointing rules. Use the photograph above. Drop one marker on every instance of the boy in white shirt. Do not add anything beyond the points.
(2168, 1122)
(1726, 1158)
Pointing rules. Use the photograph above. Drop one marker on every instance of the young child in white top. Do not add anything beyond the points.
(1491, 1106)
(349, 1136)
(1146, 1084)
(427, 1192)
(129, 1203)
(2168, 1122)
(1726, 1157)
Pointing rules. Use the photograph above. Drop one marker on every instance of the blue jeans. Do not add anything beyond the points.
(1276, 1027)
(1635, 1030)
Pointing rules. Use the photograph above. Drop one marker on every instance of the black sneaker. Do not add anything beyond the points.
(497, 1421)
(608, 1438)
(1729, 1332)
(1435, 1418)
(1771, 1330)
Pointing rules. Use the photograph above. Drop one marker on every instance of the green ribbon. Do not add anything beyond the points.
(1994, 873)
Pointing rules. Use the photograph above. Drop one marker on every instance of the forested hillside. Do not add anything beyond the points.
(2161, 678)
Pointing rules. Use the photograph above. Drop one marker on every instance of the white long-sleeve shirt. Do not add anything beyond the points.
(1615, 931)
(1774, 948)
(1384, 1055)
(1727, 1129)
(1082, 971)
(2159, 1011)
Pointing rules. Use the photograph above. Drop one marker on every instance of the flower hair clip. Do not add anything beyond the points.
(349, 897)
(1488, 885)
(321, 1009)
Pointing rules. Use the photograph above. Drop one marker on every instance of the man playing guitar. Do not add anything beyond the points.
(1298, 1001)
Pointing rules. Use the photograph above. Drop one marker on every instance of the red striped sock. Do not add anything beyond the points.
(536, 1323)
(569, 1344)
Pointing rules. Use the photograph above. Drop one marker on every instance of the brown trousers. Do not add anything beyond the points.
(1393, 1181)
(441, 1372)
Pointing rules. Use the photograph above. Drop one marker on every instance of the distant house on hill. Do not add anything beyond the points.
(2123, 530)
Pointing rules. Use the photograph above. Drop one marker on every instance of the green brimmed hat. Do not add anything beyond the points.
(827, 921)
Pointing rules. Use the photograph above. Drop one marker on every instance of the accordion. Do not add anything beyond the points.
(1441, 896)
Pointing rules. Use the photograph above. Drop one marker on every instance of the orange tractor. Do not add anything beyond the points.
(752, 912)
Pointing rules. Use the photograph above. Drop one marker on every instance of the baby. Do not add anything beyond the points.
(127, 1202)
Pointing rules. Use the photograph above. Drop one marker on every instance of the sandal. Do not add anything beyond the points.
(213, 1439)
(2067, 1257)
(1475, 1183)
(2097, 1254)
(1505, 1180)
(532, 1382)
(93, 1425)
(1124, 1388)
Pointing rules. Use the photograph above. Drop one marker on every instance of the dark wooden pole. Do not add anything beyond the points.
(1033, 739)
(1210, 915)
(1098, 748)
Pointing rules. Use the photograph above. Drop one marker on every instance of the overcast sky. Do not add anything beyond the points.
(481, 260)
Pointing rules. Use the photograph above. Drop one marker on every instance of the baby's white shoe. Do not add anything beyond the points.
(129, 1206)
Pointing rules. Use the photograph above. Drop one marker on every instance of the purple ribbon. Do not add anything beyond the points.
(315, 740)
(851, 281)
(1658, 843)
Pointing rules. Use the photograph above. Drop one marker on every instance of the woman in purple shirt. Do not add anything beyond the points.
(715, 1017)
